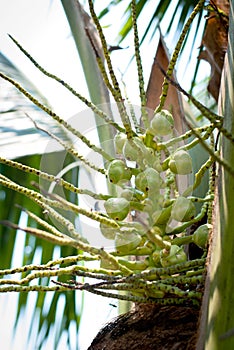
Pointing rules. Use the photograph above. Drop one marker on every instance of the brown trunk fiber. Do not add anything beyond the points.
(150, 327)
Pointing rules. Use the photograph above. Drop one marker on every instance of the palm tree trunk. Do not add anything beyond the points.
(217, 319)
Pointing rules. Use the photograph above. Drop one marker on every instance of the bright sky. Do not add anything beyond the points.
(41, 28)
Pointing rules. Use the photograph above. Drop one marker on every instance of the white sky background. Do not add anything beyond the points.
(42, 29)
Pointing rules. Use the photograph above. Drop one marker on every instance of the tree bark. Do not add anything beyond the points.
(150, 327)
(217, 320)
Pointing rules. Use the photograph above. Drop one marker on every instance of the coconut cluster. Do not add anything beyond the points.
(148, 202)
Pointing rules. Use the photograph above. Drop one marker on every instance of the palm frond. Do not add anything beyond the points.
(18, 135)
(164, 13)
(182, 9)
(35, 250)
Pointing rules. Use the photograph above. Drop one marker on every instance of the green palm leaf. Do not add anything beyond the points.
(171, 14)
(24, 142)
(181, 9)
(18, 135)
(38, 250)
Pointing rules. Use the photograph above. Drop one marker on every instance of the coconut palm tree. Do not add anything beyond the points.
(86, 42)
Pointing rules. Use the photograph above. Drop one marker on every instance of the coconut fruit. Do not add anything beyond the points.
(148, 180)
(183, 209)
(134, 149)
(117, 171)
(117, 208)
(126, 242)
(162, 123)
(119, 141)
(175, 255)
(107, 231)
(200, 236)
(181, 163)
